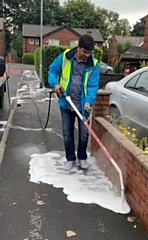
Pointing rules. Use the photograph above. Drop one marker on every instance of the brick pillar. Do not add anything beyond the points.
(100, 109)
(101, 106)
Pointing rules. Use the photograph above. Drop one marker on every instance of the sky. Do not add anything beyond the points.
(132, 10)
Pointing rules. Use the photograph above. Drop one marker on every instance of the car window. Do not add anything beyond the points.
(132, 82)
(139, 83)
(142, 83)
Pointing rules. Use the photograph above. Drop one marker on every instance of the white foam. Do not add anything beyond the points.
(80, 186)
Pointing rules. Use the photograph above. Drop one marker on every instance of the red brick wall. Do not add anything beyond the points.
(64, 35)
(146, 32)
(131, 160)
(111, 51)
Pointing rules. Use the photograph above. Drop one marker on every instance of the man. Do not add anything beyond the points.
(79, 77)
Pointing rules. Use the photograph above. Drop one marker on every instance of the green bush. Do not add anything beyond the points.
(98, 53)
(118, 68)
(143, 64)
(28, 58)
(37, 59)
(49, 54)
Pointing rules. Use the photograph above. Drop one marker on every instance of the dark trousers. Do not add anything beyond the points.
(68, 121)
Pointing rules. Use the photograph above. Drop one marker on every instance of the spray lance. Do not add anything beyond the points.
(93, 134)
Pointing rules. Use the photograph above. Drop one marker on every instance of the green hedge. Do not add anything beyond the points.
(28, 58)
(49, 53)
(37, 59)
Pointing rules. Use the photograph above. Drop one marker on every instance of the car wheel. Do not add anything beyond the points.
(115, 115)
(108, 71)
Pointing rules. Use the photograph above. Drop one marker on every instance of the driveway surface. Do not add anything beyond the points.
(31, 210)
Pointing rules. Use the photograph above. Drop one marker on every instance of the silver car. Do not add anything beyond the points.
(104, 68)
(129, 99)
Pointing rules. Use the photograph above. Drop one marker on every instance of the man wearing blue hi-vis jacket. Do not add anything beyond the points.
(79, 78)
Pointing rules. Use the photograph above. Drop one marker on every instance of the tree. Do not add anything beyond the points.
(84, 14)
(73, 13)
(78, 14)
(16, 43)
(1, 11)
(120, 49)
(17, 12)
(138, 29)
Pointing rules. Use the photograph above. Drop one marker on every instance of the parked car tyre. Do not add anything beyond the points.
(114, 115)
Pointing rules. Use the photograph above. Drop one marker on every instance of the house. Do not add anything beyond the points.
(2, 38)
(133, 56)
(56, 35)
(135, 41)
(136, 54)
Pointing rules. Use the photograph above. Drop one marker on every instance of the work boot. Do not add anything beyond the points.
(83, 164)
(69, 165)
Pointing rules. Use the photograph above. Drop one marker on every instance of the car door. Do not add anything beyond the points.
(133, 99)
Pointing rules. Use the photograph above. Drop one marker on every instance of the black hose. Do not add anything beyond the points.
(7, 83)
(48, 113)
(49, 106)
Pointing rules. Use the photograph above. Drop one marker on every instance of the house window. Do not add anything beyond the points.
(73, 43)
(52, 41)
(37, 41)
(31, 40)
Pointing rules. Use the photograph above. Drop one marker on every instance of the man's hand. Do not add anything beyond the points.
(57, 89)
(87, 107)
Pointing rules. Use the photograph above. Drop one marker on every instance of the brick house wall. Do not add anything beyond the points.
(2, 39)
(111, 51)
(131, 160)
(63, 35)
(145, 20)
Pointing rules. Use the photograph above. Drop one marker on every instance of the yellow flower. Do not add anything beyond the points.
(146, 150)
(125, 132)
(134, 129)
(107, 116)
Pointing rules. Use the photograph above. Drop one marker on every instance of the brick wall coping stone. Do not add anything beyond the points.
(103, 92)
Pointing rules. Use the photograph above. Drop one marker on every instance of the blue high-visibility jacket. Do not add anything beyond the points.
(88, 96)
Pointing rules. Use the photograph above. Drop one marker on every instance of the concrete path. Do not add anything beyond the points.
(34, 211)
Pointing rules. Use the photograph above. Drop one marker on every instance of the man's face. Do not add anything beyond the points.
(82, 53)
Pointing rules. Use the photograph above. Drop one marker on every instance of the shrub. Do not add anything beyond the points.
(49, 54)
(98, 53)
(28, 58)
(13, 54)
(130, 133)
(37, 59)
